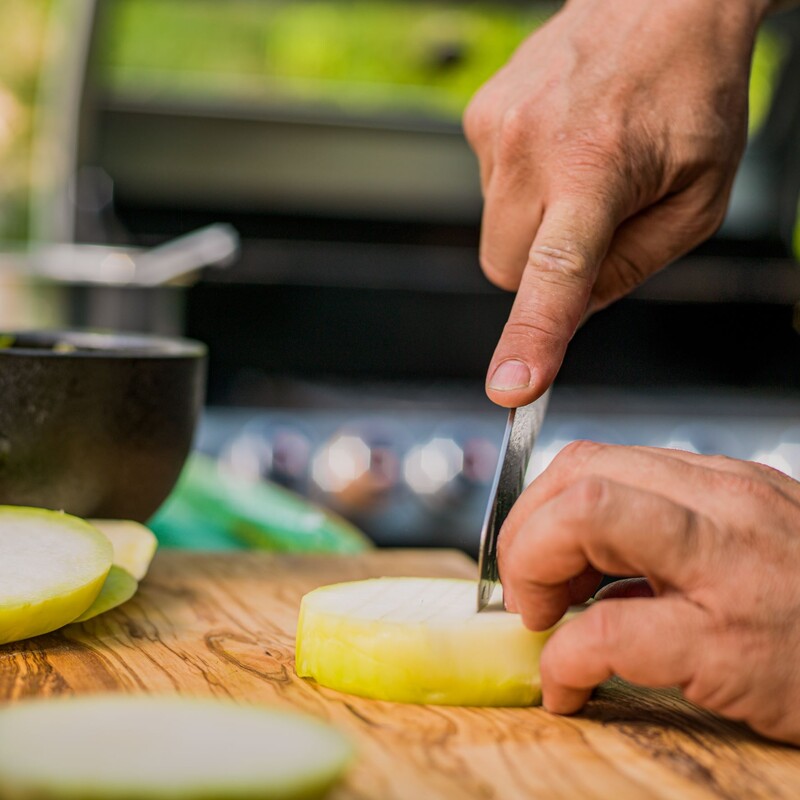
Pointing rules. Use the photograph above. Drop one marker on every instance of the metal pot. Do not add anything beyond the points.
(96, 424)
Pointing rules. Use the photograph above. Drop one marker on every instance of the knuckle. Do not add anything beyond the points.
(689, 534)
(742, 485)
(593, 131)
(534, 331)
(516, 128)
(753, 470)
(588, 497)
(722, 463)
(572, 459)
(766, 471)
(579, 452)
(476, 122)
(560, 263)
(733, 482)
(599, 153)
(597, 145)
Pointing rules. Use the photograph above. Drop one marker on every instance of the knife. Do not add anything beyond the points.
(522, 429)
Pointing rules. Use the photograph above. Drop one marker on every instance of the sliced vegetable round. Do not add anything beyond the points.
(417, 640)
(164, 748)
(134, 544)
(52, 567)
(119, 587)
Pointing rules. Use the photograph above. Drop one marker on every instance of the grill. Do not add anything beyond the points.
(354, 329)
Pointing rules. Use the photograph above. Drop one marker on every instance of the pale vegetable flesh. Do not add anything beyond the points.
(134, 544)
(417, 640)
(165, 748)
(52, 568)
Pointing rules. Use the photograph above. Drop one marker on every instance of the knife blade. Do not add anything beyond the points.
(522, 430)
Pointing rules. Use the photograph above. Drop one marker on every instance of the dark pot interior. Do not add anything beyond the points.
(96, 424)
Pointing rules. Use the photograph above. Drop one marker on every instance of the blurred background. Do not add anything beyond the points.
(316, 147)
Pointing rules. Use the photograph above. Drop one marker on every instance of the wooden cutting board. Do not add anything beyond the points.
(224, 625)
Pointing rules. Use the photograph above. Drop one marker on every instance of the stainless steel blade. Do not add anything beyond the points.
(522, 429)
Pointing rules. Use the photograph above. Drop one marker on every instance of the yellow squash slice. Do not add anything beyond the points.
(417, 640)
(134, 544)
(52, 567)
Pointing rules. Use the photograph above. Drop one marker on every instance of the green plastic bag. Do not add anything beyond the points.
(212, 509)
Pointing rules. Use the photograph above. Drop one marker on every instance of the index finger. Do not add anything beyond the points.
(571, 241)
(612, 527)
(690, 482)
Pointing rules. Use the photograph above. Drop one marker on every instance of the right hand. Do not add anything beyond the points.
(719, 543)
(607, 147)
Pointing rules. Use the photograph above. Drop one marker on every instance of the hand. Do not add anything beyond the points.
(607, 148)
(719, 543)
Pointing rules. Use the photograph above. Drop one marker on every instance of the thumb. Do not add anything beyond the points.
(570, 244)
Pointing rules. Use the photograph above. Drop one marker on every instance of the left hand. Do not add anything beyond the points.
(607, 147)
(719, 543)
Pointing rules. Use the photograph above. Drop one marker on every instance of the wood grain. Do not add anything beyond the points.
(224, 624)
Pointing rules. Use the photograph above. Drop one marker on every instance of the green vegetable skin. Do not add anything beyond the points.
(164, 748)
(134, 547)
(52, 568)
(119, 587)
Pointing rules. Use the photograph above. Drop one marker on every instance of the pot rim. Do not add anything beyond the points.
(94, 344)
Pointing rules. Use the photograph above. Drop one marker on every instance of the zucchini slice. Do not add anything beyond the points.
(417, 640)
(119, 587)
(122, 747)
(134, 544)
(52, 567)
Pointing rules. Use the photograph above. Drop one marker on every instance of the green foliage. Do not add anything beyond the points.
(23, 24)
(387, 55)
(401, 57)
(769, 57)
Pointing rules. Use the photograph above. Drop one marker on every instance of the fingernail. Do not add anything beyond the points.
(510, 375)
